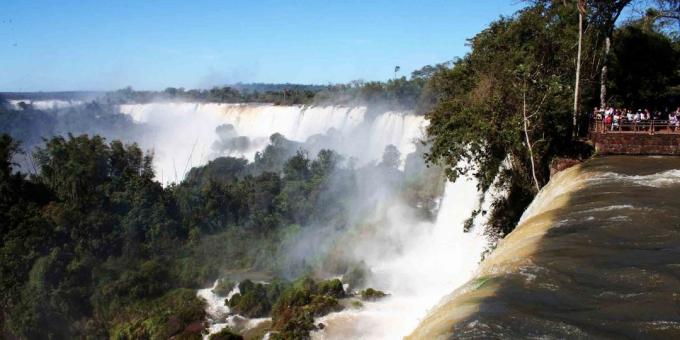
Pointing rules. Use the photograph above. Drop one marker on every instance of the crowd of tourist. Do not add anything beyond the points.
(616, 119)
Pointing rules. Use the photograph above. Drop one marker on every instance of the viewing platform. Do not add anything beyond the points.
(651, 137)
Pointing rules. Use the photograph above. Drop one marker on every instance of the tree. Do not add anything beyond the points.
(645, 68)
(391, 158)
(581, 4)
(297, 167)
(8, 149)
(605, 13)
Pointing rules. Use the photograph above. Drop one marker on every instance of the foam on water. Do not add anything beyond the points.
(46, 104)
(595, 255)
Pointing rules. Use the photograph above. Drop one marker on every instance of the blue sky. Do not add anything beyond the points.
(103, 45)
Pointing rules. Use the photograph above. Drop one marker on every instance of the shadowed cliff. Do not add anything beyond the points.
(597, 254)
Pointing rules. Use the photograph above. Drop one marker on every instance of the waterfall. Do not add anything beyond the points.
(182, 134)
(416, 261)
(589, 258)
(51, 104)
(435, 259)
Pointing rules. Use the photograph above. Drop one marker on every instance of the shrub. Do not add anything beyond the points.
(226, 334)
(371, 294)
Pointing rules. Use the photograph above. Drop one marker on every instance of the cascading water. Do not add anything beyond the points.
(45, 104)
(435, 259)
(415, 261)
(594, 256)
(182, 135)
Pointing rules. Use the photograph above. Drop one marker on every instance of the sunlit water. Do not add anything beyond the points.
(436, 259)
(430, 260)
(596, 255)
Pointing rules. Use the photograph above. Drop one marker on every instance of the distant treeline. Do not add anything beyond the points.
(399, 93)
(58, 95)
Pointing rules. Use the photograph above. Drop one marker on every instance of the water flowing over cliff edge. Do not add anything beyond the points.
(183, 135)
(597, 254)
(416, 261)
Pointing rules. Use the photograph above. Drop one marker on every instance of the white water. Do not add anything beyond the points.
(183, 133)
(51, 104)
(416, 262)
(218, 312)
(435, 260)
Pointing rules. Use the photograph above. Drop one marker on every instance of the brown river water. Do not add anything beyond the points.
(596, 255)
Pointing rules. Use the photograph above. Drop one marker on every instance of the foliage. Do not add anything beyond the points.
(372, 294)
(160, 318)
(645, 71)
(92, 240)
(254, 300)
(293, 314)
(506, 104)
(225, 334)
(93, 247)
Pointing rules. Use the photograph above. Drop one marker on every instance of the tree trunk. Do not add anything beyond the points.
(603, 75)
(578, 72)
(526, 135)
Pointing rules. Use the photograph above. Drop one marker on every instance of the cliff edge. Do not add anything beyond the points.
(597, 254)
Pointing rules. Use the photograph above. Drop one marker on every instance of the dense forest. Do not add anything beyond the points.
(94, 247)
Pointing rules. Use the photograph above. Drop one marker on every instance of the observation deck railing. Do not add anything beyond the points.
(652, 126)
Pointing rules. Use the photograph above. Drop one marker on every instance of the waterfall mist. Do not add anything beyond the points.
(413, 249)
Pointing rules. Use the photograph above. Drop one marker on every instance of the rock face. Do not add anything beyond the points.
(597, 254)
(561, 164)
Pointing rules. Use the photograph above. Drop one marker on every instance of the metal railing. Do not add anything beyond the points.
(652, 126)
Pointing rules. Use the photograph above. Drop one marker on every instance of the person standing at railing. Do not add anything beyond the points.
(673, 120)
(597, 113)
(616, 120)
(607, 122)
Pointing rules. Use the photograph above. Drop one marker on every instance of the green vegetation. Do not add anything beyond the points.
(178, 313)
(292, 306)
(93, 246)
(293, 314)
(511, 99)
(255, 300)
(225, 334)
(371, 294)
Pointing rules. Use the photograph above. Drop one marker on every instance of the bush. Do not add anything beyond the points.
(160, 318)
(331, 288)
(252, 300)
(226, 334)
(371, 294)
(294, 313)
